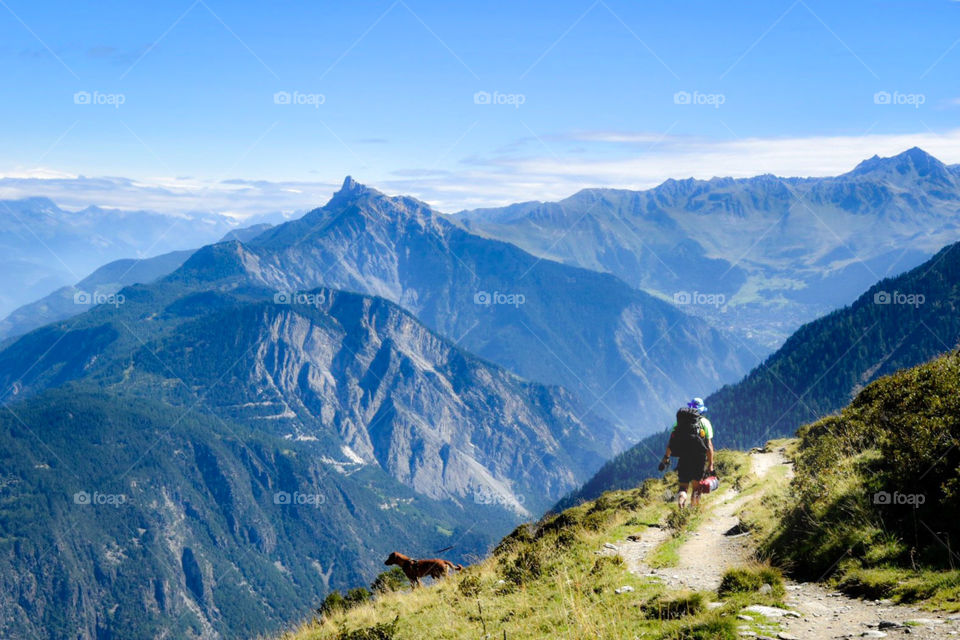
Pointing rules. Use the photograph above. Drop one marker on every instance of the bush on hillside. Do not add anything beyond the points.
(390, 581)
(674, 608)
(381, 631)
(336, 602)
(868, 477)
(746, 580)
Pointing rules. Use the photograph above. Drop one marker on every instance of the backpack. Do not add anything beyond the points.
(687, 439)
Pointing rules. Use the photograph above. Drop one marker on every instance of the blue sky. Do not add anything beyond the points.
(591, 93)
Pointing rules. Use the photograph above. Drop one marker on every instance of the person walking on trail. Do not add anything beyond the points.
(692, 442)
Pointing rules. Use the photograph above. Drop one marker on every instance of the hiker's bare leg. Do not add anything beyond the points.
(682, 495)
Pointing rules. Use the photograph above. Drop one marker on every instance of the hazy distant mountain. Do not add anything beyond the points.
(45, 247)
(199, 406)
(103, 283)
(781, 251)
(626, 354)
(898, 323)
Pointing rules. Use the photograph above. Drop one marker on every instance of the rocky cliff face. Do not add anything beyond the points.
(257, 442)
(394, 393)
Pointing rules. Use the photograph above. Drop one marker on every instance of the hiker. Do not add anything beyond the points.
(692, 442)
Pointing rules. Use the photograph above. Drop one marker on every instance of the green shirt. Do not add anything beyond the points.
(704, 425)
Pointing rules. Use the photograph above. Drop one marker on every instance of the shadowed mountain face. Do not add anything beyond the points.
(898, 323)
(780, 251)
(201, 406)
(625, 354)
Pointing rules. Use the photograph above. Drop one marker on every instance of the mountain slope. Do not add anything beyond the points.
(99, 286)
(781, 251)
(391, 392)
(621, 351)
(213, 401)
(821, 367)
(121, 517)
(45, 247)
(103, 283)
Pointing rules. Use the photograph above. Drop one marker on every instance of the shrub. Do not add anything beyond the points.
(745, 580)
(605, 562)
(675, 608)
(715, 629)
(382, 631)
(469, 586)
(357, 596)
(336, 602)
(526, 567)
(678, 519)
(566, 520)
(389, 581)
(333, 603)
(518, 537)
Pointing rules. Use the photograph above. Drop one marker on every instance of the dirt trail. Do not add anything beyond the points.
(821, 614)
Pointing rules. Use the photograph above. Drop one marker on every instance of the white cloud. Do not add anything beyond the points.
(543, 169)
(630, 164)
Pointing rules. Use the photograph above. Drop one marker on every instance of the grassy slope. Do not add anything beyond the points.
(901, 434)
(899, 437)
(548, 580)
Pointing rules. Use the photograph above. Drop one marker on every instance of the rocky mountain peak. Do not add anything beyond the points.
(913, 163)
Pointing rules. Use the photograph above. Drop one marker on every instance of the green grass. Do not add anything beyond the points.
(739, 580)
(901, 434)
(544, 580)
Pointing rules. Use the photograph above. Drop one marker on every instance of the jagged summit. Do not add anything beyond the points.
(351, 187)
(912, 161)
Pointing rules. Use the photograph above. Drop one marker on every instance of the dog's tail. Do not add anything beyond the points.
(458, 567)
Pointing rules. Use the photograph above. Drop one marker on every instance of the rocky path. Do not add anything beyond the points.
(817, 613)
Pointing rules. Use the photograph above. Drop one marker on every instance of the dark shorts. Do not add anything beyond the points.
(690, 468)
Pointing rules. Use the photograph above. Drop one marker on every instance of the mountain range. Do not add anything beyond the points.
(759, 256)
(621, 351)
(232, 431)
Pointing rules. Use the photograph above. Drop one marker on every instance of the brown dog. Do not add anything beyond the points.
(417, 569)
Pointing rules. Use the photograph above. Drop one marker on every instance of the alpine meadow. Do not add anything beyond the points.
(412, 320)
